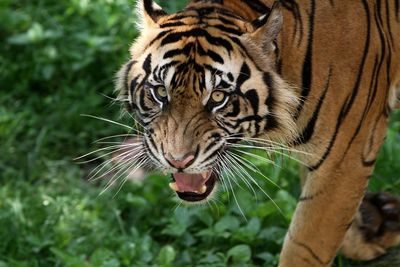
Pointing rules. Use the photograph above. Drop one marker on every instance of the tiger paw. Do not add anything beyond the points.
(375, 228)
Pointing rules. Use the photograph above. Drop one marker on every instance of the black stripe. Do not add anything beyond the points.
(397, 7)
(258, 6)
(214, 154)
(269, 82)
(203, 12)
(213, 70)
(308, 131)
(228, 124)
(244, 75)
(147, 64)
(339, 121)
(310, 197)
(159, 36)
(208, 148)
(191, 120)
(387, 110)
(175, 52)
(218, 41)
(226, 130)
(133, 86)
(389, 26)
(307, 64)
(180, 15)
(150, 151)
(142, 103)
(257, 23)
(306, 198)
(255, 118)
(272, 123)
(153, 143)
(226, 29)
(235, 108)
(309, 249)
(370, 99)
(130, 106)
(252, 97)
(127, 69)
(293, 7)
(172, 24)
(199, 126)
(227, 21)
(165, 67)
(173, 38)
(374, 82)
(224, 84)
(371, 162)
(216, 136)
(154, 13)
(356, 88)
(177, 36)
(214, 56)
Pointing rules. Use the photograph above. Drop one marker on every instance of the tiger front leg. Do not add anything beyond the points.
(326, 208)
(333, 190)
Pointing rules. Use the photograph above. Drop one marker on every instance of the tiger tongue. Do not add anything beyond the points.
(187, 182)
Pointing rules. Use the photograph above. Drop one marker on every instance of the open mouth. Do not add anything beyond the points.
(193, 187)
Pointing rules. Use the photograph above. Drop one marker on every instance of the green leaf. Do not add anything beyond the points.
(104, 258)
(249, 232)
(166, 256)
(239, 254)
(226, 223)
(69, 260)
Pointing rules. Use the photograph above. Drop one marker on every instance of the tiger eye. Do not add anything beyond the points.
(218, 96)
(161, 91)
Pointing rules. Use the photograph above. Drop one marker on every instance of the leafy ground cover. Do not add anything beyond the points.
(57, 61)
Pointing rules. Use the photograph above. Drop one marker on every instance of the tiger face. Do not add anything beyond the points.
(196, 85)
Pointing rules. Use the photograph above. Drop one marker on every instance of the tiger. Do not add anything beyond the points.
(319, 77)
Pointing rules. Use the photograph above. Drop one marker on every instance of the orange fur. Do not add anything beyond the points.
(335, 64)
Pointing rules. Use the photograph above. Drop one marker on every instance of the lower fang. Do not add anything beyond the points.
(203, 189)
(174, 187)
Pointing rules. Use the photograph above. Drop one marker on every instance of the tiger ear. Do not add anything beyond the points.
(149, 13)
(267, 27)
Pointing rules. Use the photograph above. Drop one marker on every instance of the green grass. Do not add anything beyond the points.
(57, 60)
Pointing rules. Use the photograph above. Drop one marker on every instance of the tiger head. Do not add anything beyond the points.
(199, 80)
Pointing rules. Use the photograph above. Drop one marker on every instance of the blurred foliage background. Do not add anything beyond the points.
(57, 61)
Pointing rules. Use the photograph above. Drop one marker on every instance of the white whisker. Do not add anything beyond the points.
(253, 168)
(120, 174)
(111, 121)
(118, 135)
(231, 187)
(269, 150)
(122, 162)
(108, 153)
(255, 182)
(140, 165)
(236, 201)
(121, 146)
(240, 175)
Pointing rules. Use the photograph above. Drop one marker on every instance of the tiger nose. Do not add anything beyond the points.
(182, 163)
